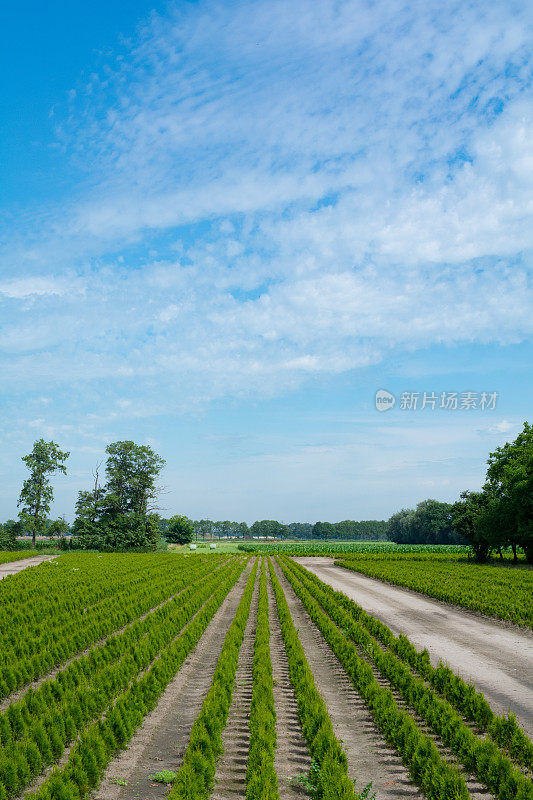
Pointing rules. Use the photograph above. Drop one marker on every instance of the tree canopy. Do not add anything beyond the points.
(501, 515)
(119, 515)
(180, 530)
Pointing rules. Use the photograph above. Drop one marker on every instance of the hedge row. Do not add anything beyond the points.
(49, 732)
(504, 730)
(330, 774)
(195, 777)
(479, 756)
(436, 778)
(261, 779)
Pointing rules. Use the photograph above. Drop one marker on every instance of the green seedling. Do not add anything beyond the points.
(118, 781)
(165, 776)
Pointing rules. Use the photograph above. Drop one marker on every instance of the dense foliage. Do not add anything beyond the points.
(372, 529)
(501, 515)
(503, 592)
(119, 515)
(180, 530)
(430, 523)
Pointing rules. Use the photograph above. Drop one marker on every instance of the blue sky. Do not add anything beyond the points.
(225, 225)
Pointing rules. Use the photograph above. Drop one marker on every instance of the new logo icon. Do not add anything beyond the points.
(384, 400)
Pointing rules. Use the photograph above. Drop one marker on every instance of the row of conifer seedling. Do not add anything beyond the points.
(51, 614)
(95, 704)
(342, 624)
(99, 700)
(196, 776)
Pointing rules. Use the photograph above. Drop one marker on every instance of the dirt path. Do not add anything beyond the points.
(163, 738)
(230, 776)
(369, 757)
(292, 755)
(12, 567)
(495, 656)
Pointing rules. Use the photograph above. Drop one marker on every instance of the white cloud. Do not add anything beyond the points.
(503, 426)
(35, 286)
(281, 194)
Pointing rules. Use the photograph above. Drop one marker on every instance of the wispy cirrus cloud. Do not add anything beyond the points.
(270, 191)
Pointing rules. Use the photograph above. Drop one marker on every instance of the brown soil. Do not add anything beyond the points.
(162, 740)
(495, 656)
(230, 776)
(369, 757)
(292, 755)
(12, 567)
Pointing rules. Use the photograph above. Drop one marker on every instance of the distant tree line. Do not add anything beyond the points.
(431, 522)
(121, 513)
(271, 529)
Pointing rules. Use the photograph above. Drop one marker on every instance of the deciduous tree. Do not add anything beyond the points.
(180, 530)
(37, 494)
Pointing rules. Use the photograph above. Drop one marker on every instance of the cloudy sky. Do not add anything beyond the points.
(226, 225)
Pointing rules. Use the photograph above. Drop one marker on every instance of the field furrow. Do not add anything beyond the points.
(370, 758)
(292, 758)
(230, 775)
(162, 740)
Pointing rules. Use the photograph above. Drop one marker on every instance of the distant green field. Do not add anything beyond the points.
(315, 548)
(203, 547)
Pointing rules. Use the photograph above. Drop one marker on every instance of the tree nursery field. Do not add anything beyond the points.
(231, 676)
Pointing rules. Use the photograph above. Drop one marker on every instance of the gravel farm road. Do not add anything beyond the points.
(496, 656)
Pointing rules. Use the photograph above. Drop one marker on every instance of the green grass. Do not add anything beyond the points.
(6, 557)
(203, 547)
(165, 776)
